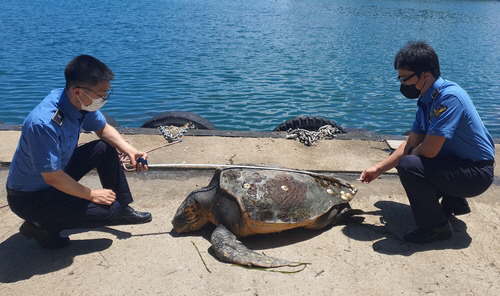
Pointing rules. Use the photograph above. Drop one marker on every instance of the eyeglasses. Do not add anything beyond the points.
(105, 97)
(407, 78)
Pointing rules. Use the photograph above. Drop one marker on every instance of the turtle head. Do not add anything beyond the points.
(194, 212)
(192, 215)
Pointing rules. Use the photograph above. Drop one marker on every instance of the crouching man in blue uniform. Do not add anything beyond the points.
(449, 154)
(42, 186)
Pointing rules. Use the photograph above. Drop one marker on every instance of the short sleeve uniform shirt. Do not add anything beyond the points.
(446, 110)
(49, 136)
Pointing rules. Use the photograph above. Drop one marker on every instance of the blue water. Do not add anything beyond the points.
(250, 65)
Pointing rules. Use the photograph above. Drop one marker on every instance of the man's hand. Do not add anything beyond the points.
(102, 196)
(112, 137)
(139, 166)
(369, 175)
(63, 182)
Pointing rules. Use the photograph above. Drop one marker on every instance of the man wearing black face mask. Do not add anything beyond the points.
(449, 154)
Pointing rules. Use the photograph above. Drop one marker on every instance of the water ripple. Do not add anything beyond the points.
(250, 65)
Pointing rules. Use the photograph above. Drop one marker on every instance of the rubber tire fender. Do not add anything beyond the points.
(310, 123)
(179, 118)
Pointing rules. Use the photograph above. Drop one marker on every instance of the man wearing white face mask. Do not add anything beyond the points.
(43, 188)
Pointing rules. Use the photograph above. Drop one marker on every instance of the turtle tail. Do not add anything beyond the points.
(229, 249)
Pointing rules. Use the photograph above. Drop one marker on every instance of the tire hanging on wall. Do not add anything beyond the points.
(179, 118)
(310, 123)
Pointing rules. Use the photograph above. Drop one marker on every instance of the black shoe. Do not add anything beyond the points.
(45, 239)
(128, 215)
(455, 205)
(423, 236)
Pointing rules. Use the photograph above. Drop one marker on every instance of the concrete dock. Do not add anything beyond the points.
(365, 256)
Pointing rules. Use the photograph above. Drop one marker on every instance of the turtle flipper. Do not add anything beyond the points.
(229, 249)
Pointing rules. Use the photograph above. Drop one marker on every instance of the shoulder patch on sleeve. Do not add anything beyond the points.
(59, 117)
(439, 109)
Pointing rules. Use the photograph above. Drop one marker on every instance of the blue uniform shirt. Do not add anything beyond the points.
(446, 110)
(49, 136)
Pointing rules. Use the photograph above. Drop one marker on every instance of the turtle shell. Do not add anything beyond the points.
(273, 196)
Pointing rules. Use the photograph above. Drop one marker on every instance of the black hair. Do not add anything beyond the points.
(85, 70)
(419, 57)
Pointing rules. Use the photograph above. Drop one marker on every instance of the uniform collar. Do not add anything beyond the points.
(68, 108)
(433, 92)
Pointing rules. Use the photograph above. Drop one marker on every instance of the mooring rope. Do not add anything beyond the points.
(168, 131)
(310, 138)
(172, 134)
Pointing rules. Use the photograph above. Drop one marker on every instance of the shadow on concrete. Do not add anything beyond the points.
(285, 238)
(116, 232)
(397, 219)
(22, 259)
(119, 234)
(261, 242)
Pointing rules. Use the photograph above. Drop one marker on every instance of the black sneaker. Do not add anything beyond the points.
(128, 216)
(424, 236)
(45, 239)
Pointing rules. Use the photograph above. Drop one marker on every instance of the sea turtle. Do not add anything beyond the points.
(246, 201)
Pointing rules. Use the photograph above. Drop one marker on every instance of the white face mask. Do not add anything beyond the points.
(95, 105)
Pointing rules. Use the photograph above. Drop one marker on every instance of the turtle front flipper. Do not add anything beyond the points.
(229, 249)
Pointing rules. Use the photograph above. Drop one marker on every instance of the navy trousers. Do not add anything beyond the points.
(426, 180)
(56, 210)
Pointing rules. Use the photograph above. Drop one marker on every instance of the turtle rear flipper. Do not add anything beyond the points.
(229, 249)
(345, 213)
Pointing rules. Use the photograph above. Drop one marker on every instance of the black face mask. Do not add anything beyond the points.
(409, 91)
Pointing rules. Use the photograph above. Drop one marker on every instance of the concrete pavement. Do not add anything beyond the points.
(364, 257)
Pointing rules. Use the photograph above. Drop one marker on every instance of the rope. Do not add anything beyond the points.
(124, 159)
(310, 138)
(171, 133)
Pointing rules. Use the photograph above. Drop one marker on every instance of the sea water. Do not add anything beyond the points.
(250, 65)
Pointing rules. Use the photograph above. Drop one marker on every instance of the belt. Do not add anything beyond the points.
(18, 192)
(484, 162)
